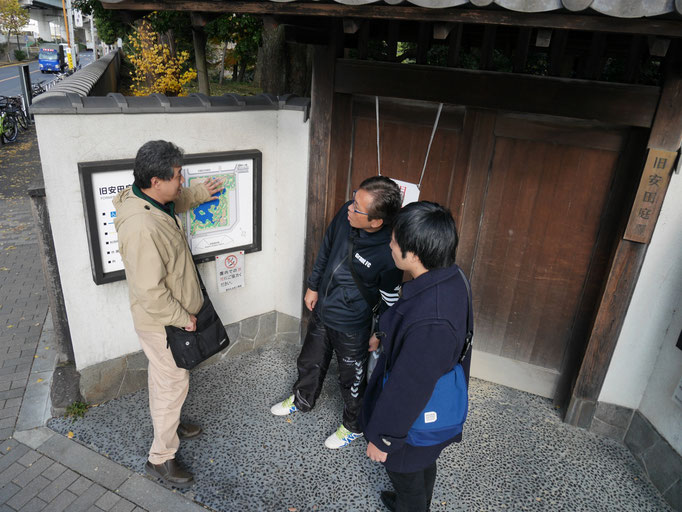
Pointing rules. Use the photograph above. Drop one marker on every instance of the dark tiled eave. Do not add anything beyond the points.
(73, 102)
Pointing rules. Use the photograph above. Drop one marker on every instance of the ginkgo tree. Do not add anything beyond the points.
(12, 18)
(156, 69)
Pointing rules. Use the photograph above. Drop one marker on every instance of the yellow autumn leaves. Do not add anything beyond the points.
(156, 70)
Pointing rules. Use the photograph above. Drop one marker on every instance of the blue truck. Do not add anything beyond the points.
(51, 58)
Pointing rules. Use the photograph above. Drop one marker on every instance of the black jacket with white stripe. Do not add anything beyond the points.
(340, 304)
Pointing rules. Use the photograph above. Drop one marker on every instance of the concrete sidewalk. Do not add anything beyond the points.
(517, 454)
(40, 470)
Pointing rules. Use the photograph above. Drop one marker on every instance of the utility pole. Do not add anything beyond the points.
(92, 38)
(68, 20)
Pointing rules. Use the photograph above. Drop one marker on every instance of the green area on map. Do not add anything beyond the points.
(215, 213)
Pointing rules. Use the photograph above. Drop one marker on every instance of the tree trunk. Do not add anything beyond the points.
(9, 34)
(283, 67)
(274, 61)
(242, 70)
(199, 37)
(222, 63)
(171, 42)
(299, 69)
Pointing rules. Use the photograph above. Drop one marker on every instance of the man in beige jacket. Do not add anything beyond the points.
(164, 289)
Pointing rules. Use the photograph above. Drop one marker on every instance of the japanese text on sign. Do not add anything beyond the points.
(650, 194)
(230, 271)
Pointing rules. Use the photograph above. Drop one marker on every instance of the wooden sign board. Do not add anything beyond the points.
(652, 188)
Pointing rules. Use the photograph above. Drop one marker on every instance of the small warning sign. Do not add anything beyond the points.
(409, 192)
(230, 271)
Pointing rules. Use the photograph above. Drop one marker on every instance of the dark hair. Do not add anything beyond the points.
(427, 230)
(156, 159)
(386, 198)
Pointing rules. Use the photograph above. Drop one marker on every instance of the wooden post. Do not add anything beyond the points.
(199, 38)
(454, 45)
(321, 112)
(666, 135)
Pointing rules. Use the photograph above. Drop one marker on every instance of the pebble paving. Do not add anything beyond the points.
(517, 454)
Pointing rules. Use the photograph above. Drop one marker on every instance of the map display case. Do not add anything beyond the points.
(229, 222)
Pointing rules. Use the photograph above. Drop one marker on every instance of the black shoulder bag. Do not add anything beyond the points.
(191, 348)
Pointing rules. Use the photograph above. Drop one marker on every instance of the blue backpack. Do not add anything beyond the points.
(446, 411)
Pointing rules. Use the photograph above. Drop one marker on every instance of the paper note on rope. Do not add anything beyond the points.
(408, 191)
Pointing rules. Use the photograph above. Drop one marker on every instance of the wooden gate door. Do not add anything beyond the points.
(537, 201)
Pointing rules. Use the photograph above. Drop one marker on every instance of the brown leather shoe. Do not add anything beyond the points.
(188, 431)
(171, 473)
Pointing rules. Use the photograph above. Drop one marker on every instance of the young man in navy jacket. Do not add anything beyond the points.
(359, 236)
(423, 337)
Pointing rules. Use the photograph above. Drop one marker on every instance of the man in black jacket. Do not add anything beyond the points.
(342, 303)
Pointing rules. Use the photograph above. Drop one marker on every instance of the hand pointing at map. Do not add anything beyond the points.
(214, 185)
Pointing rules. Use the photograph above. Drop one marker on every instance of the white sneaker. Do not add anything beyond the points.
(342, 437)
(284, 407)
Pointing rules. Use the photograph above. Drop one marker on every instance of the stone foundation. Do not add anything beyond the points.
(660, 461)
(127, 374)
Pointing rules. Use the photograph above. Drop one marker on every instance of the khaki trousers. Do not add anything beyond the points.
(168, 387)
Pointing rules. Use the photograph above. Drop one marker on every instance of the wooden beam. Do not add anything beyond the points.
(363, 40)
(324, 59)
(455, 45)
(632, 105)
(521, 49)
(595, 59)
(557, 51)
(392, 39)
(488, 47)
(651, 26)
(634, 62)
(423, 42)
(666, 134)
(305, 35)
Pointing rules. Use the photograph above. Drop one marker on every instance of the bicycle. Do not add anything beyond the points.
(14, 106)
(38, 88)
(8, 128)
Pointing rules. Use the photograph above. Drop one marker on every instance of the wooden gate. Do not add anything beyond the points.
(537, 200)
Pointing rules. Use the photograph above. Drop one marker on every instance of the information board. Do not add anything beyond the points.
(230, 222)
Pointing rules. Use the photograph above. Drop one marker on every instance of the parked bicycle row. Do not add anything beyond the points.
(13, 112)
(44, 86)
(13, 118)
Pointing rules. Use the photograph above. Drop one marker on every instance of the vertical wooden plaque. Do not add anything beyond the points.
(652, 187)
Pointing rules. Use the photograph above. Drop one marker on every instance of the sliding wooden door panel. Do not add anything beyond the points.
(539, 227)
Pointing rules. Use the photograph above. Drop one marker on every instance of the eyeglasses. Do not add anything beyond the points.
(355, 206)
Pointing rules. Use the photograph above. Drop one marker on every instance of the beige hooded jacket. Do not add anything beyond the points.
(162, 280)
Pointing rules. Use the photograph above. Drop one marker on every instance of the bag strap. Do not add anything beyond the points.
(364, 291)
(470, 328)
(470, 319)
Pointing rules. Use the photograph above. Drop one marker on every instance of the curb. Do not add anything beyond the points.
(11, 64)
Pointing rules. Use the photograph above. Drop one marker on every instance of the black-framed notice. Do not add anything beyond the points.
(230, 222)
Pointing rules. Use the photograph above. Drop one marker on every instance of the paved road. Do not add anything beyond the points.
(9, 75)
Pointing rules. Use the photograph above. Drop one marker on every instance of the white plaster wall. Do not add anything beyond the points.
(99, 316)
(291, 212)
(646, 366)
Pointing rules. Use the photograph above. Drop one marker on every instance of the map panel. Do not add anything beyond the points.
(226, 221)
(216, 213)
